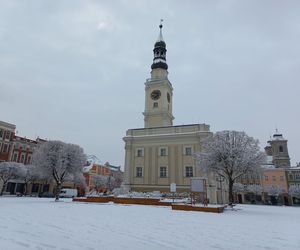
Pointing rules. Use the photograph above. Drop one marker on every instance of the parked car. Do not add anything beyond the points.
(68, 193)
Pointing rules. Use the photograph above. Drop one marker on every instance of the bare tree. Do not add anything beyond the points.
(8, 171)
(100, 182)
(59, 160)
(230, 154)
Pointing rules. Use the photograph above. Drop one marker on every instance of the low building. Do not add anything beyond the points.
(293, 179)
(106, 169)
(275, 186)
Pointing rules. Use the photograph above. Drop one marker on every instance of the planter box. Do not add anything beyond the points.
(198, 208)
(95, 199)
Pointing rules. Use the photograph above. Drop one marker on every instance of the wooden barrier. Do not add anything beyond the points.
(150, 201)
(140, 201)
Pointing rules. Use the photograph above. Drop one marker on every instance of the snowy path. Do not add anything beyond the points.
(34, 223)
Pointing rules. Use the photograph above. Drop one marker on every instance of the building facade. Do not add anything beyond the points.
(160, 153)
(23, 149)
(7, 134)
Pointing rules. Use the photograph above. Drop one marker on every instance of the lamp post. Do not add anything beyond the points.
(220, 179)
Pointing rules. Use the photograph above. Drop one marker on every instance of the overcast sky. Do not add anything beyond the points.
(75, 70)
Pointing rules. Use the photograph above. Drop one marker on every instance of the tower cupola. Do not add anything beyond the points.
(159, 51)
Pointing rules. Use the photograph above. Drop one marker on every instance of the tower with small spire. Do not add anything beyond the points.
(158, 89)
(278, 149)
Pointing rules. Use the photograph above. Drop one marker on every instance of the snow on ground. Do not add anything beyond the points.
(39, 223)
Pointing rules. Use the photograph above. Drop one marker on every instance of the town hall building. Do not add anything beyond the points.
(162, 153)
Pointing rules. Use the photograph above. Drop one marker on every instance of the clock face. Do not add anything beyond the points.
(155, 95)
(168, 97)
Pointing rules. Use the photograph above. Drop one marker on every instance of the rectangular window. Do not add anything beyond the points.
(163, 151)
(22, 158)
(5, 148)
(139, 172)
(1, 133)
(163, 172)
(28, 160)
(274, 178)
(7, 135)
(15, 157)
(139, 152)
(189, 171)
(281, 178)
(188, 151)
(155, 105)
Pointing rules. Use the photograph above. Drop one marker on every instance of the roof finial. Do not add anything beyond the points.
(160, 37)
(160, 25)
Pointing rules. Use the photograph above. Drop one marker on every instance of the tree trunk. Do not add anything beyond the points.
(58, 189)
(3, 188)
(25, 189)
(230, 192)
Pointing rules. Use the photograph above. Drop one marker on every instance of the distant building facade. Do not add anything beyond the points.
(7, 134)
(102, 169)
(276, 176)
(23, 149)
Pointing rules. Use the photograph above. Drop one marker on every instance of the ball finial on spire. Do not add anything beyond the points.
(160, 25)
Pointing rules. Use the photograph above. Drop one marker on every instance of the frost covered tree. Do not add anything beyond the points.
(255, 189)
(230, 154)
(29, 174)
(8, 171)
(238, 188)
(274, 190)
(100, 181)
(294, 191)
(59, 160)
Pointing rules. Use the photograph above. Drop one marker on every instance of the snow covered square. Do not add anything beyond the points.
(41, 223)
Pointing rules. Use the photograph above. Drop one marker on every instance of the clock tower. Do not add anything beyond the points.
(158, 89)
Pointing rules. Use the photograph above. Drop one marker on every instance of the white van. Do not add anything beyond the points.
(68, 193)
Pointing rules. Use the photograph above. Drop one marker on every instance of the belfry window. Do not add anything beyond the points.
(280, 149)
(155, 105)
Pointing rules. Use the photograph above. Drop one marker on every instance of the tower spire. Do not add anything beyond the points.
(159, 51)
(160, 36)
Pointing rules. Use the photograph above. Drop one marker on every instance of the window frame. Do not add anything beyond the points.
(139, 150)
(166, 172)
(139, 174)
(160, 151)
(188, 174)
(186, 152)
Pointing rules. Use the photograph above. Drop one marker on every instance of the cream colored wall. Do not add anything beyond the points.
(175, 139)
(161, 115)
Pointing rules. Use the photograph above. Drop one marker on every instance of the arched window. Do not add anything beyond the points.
(280, 149)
